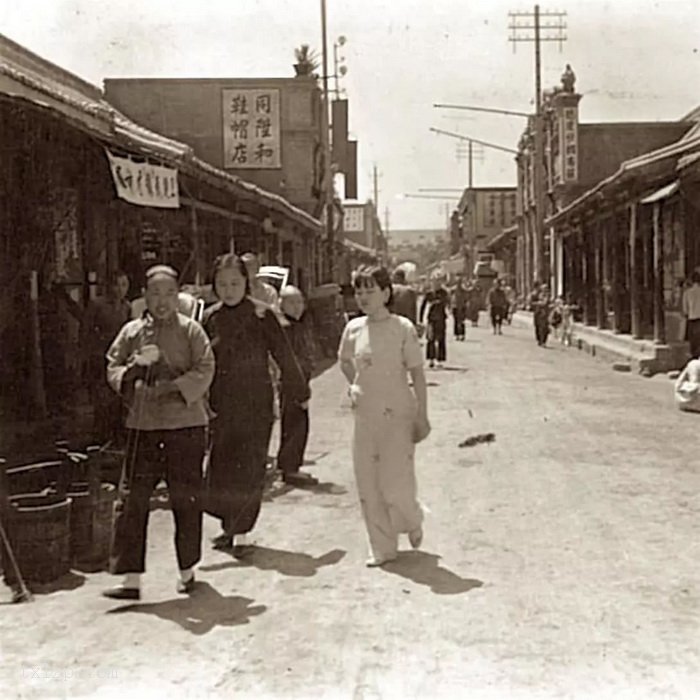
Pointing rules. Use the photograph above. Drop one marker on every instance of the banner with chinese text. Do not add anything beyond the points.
(144, 184)
(251, 129)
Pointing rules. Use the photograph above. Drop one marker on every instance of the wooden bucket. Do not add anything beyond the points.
(39, 533)
(35, 477)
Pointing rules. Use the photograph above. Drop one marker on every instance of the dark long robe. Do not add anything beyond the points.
(243, 339)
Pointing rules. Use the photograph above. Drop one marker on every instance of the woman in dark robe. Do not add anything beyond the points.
(244, 334)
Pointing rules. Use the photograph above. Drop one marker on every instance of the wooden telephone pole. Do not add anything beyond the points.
(527, 27)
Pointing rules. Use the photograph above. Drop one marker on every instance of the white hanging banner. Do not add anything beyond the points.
(144, 184)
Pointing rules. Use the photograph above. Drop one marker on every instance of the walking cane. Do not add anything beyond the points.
(23, 594)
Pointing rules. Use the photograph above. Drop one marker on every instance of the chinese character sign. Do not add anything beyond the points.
(251, 121)
(353, 218)
(144, 184)
(568, 147)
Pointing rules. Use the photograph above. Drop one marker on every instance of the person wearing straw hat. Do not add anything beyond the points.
(162, 365)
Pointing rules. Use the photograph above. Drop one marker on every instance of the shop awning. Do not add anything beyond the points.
(359, 247)
(661, 193)
(26, 76)
(661, 160)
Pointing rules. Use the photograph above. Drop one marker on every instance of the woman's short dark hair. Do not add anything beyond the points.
(374, 277)
(226, 261)
(695, 277)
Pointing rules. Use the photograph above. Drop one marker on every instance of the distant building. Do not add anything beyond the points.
(265, 130)
(484, 213)
(361, 225)
(575, 157)
(424, 247)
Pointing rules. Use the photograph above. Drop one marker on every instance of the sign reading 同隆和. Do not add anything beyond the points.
(251, 128)
(144, 184)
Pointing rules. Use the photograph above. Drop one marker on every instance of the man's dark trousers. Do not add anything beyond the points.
(295, 434)
(152, 455)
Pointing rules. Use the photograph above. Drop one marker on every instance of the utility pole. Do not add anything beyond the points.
(375, 181)
(325, 125)
(526, 27)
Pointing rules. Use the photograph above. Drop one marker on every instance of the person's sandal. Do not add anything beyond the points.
(222, 541)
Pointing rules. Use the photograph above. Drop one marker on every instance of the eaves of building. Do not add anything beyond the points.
(651, 166)
(27, 77)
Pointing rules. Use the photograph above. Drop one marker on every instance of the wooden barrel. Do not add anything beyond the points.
(34, 477)
(39, 533)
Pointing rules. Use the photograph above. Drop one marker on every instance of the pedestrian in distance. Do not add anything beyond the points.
(260, 290)
(473, 303)
(567, 322)
(162, 365)
(435, 302)
(556, 317)
(459, 308)
(512, 303)
(377, 354)
(541, 306)
(691, 313)
(245, 334)
(295, 415)
(498, 306)
(405, 300)
(103, 319)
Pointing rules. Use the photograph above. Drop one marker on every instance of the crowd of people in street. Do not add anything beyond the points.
(198, 396)
(196, 389)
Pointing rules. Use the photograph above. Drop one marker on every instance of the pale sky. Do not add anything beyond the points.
(634, 60)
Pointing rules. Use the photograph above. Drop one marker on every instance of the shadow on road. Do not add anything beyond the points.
(286, 563)
(310, 462)
(424, 568)
(325, 487)
(68, 582)
(199, 613)
(278, 489)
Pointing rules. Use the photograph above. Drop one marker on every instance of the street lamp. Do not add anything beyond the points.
(339, 70)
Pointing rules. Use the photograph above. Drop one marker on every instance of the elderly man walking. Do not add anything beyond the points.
(161, 365)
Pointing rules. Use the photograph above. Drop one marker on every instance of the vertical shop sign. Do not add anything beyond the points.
(251, 126)
(569, 145)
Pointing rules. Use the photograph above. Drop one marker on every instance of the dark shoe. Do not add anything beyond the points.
(20, 596)
(122, 593)
(299, 479)
(186, 586)
(222, 541)
(415, 537)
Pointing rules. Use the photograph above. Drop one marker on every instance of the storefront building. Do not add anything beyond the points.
(627, 246)
(575, 157)
(85, 192)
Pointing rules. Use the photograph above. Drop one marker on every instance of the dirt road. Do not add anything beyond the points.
(559, 562)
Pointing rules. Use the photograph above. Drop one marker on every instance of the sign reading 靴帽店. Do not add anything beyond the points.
(251, 124)
(144, 184)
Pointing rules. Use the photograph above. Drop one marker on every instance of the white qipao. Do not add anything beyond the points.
(384, 408)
